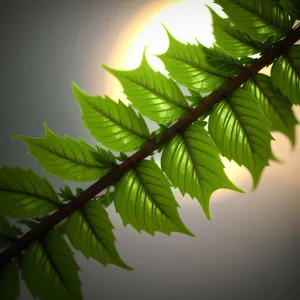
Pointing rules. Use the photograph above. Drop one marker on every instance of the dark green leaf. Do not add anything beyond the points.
(143, 198)
(192, 163)
(114, 125)
(9, 282)
(285, 74)
(23, 194)
(90, 231)
(152, 94)
(7, 233)
(275, 106)
(241, 132)
(292, 7)
(49, 269)
(66, 158)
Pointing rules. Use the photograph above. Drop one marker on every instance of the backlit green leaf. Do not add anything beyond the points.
(258, 18)
(7, 234)
(67, 158)
(275, 106)
(192, 163)
(49, 269)
(143, 198)
(285, 74)
(23, 194)
(114, 125)
(222, 62)
(232, 40)
(292, 7)
(90, 231)
(152, 94)
(187, 65)
(9, 282)
(241, 132)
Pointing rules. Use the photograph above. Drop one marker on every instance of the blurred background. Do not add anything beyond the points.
(250, 249)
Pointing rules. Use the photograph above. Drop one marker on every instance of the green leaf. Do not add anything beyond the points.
(50, 270)
(292, 7)
(187, 65)
(241, 132)
(192, 163)
(67, 158)
(9, 282)
(66, 193)
(114, 125)
(7, 233)
(23, 194)
(222, 62)
(152, 94)
(285, 74)
(143, 198)
(233, 41)
(260, 19)
(275, 106)
(108, 198)
(90, 231)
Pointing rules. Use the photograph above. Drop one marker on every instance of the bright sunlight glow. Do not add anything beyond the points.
(185, 20)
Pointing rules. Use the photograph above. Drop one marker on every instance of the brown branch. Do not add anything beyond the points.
(67, 209)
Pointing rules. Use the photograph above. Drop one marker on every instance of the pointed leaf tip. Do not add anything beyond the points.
(67, 158)
(192, 163)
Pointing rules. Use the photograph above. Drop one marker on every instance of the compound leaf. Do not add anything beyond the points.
(50, 270)
(241, 132)
(9, 282)
(23, 194)
(275, 106)
(152, 94)
(260, 19)
(143, 198)
(232, 40)
(187, 65)
(285, 74)
(114, 125)
(192, 163)
(90, 231)
(67, 158)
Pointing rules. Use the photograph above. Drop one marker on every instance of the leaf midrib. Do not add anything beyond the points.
(243, 128)
(95, 233)
(31, 195)
(118, 123)
(260, 17)
(198, 67)
(154, 201)
(76, 162)
(155, 92)
(48, 254)
(281, 116)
